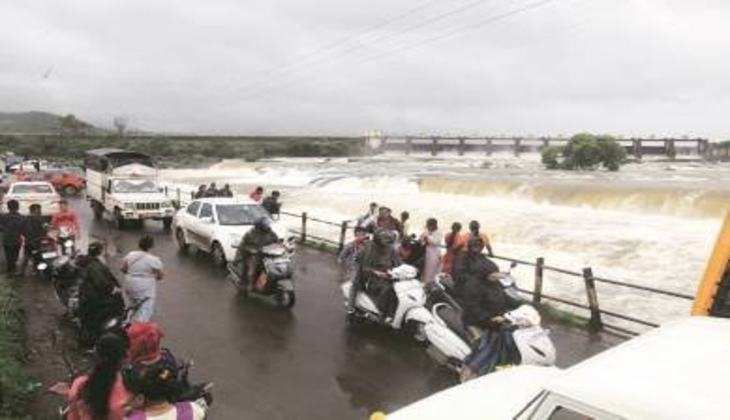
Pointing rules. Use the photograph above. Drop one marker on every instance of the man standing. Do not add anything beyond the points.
(35, 232)
(349, 253)
(388, 222)
(367, 221)
(474, 233)
(226, 191)
(202, 191)
(212, 190)
(271, 203)
(14, 228)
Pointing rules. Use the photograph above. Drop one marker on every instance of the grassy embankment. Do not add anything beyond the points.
(183, 150)
(16, 386)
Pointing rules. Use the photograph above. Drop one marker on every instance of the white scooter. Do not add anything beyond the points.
(531, 339)
(411, 314)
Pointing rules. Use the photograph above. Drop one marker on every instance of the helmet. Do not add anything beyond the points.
(262, 223)
(383, 237)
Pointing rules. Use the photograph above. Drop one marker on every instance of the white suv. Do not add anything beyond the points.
(216, 225)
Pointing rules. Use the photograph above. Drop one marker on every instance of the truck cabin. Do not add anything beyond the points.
(106, 160)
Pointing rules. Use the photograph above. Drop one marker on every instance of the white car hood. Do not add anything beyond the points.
(229, 231)
(499, 395)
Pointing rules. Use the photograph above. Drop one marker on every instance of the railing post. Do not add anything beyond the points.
(303, 238)
(177, 193)
(434, 146)
(165, 190)
(192, 195)
(488, 147)
(595, 324)
(343, 235)
(539, 269)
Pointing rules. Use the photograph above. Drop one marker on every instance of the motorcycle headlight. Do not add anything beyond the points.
(42, 266)
(69, 243)
(128, 206)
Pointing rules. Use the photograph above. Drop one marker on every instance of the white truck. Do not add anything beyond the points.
(125, 185)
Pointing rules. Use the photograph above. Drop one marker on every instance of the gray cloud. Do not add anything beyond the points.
(621, 66)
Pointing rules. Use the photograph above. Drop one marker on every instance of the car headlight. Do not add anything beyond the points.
(128, 206)
(166, 204)
(234, 240)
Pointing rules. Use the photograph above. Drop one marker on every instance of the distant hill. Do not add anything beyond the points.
(37, 122)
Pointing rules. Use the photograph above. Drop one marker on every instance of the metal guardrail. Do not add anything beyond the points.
(595, 322)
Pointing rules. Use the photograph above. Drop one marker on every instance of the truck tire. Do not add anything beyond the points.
(219, 257)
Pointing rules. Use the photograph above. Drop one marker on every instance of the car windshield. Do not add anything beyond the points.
(134, 186)
(32, 189)
(239, 214)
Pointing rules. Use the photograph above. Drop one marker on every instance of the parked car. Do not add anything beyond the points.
(216, 225)
(676, 371)
(68, 183)
(33, 192)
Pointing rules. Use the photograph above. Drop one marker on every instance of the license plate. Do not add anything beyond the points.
(47, 255)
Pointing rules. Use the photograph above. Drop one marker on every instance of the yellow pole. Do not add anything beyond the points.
(714, 272)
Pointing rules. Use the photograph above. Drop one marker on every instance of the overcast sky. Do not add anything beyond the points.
(631, 67)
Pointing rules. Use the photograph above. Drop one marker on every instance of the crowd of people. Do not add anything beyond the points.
(24, 233)
(383, 242)
(212, 190)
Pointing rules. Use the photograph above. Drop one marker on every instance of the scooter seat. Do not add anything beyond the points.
(452, 319)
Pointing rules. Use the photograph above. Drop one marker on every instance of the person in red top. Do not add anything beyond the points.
(100, 394)
(66, 218)
(257, 195)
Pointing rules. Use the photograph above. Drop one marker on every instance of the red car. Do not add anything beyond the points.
(65, 182)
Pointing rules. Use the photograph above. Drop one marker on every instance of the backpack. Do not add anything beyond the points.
(184, 412)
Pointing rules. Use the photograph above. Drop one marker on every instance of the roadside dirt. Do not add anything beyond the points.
(53, 354)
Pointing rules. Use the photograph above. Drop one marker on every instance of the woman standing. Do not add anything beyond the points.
(455, 243)
(100, 394)
(431, 239)
(143, 270)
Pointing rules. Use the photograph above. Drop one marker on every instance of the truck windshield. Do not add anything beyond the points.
(239, 214)
(134, 186)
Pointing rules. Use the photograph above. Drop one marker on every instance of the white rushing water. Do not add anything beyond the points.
(652, 223)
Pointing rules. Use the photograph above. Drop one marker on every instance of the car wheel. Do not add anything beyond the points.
(219, 257)
(70, 190)
(181, 242)
(98, 210)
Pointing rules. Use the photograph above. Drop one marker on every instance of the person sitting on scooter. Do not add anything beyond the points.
(99, 394)
(249, 249)
(145, 352)
(412, 252)
(100, 296)
(158, 388)
(376, 258)
(472, 263)
(66, 218)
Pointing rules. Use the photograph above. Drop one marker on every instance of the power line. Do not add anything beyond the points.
(343, 41)
(461, 30)
(421, 24)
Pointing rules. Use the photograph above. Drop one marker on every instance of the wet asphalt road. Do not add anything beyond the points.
(302, 363)
(268, 363)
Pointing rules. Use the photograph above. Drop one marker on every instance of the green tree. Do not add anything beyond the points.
(585, 151)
